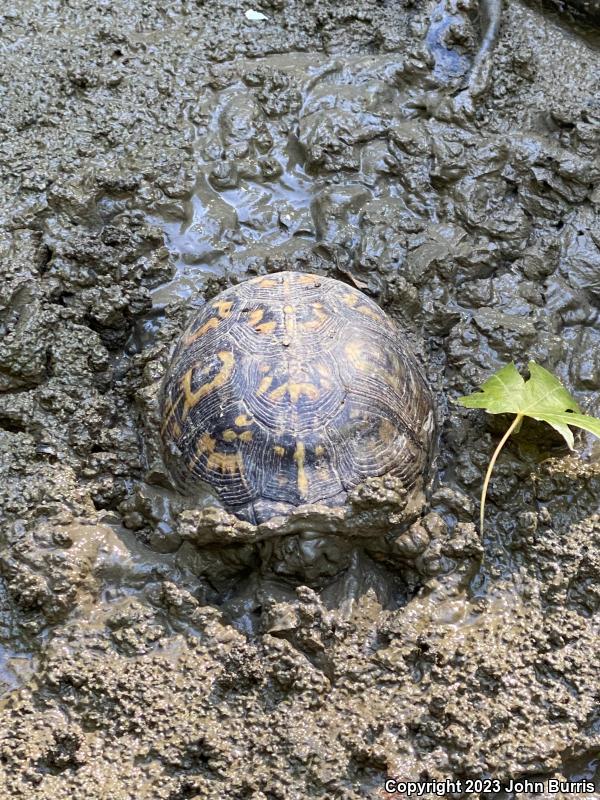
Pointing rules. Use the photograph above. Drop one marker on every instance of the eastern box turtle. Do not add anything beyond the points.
(291, 389)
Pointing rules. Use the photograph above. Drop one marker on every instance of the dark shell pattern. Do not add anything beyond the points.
(290, 389)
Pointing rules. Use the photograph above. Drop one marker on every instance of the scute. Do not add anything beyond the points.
(290, 389)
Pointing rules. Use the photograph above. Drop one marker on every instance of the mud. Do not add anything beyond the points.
(153, 154)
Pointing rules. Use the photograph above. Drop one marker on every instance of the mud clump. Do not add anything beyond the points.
(153, 156)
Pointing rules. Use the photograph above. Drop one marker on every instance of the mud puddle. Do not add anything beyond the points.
(152, 157)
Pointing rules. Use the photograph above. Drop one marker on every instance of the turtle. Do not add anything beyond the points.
(293, 388)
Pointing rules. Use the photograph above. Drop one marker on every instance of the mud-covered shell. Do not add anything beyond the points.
(291, 389)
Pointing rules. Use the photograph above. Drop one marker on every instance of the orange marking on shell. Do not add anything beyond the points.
(213, 322)
(169, 411)
(319, 318)
(295, 391)
(227, 463)
(367, 362)
(206, 444)
(193, 397)
(350, 299)
(289, 320)
(267, 327)
(298, 390)
(223, 307)
(242, 421)
(255, 317)
(230, 436)
(267, 283)
(299, 454)
(175, 429)
(387, 430)
(264, 384)
(370, 312)
(171, 426)
(354, 351)
(278, 450)
(319, 450)
(307, 280)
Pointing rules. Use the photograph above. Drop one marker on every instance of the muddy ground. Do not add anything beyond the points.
(153, 153)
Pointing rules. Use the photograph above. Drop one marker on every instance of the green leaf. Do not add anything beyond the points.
(542, 397)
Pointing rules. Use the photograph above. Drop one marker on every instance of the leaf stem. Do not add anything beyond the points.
(488, 474)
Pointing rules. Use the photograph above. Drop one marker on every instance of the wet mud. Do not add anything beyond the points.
(154, 154)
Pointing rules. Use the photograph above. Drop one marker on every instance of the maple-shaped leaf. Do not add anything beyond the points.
(542, 397)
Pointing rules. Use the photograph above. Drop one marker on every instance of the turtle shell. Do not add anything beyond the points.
(290, 389)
